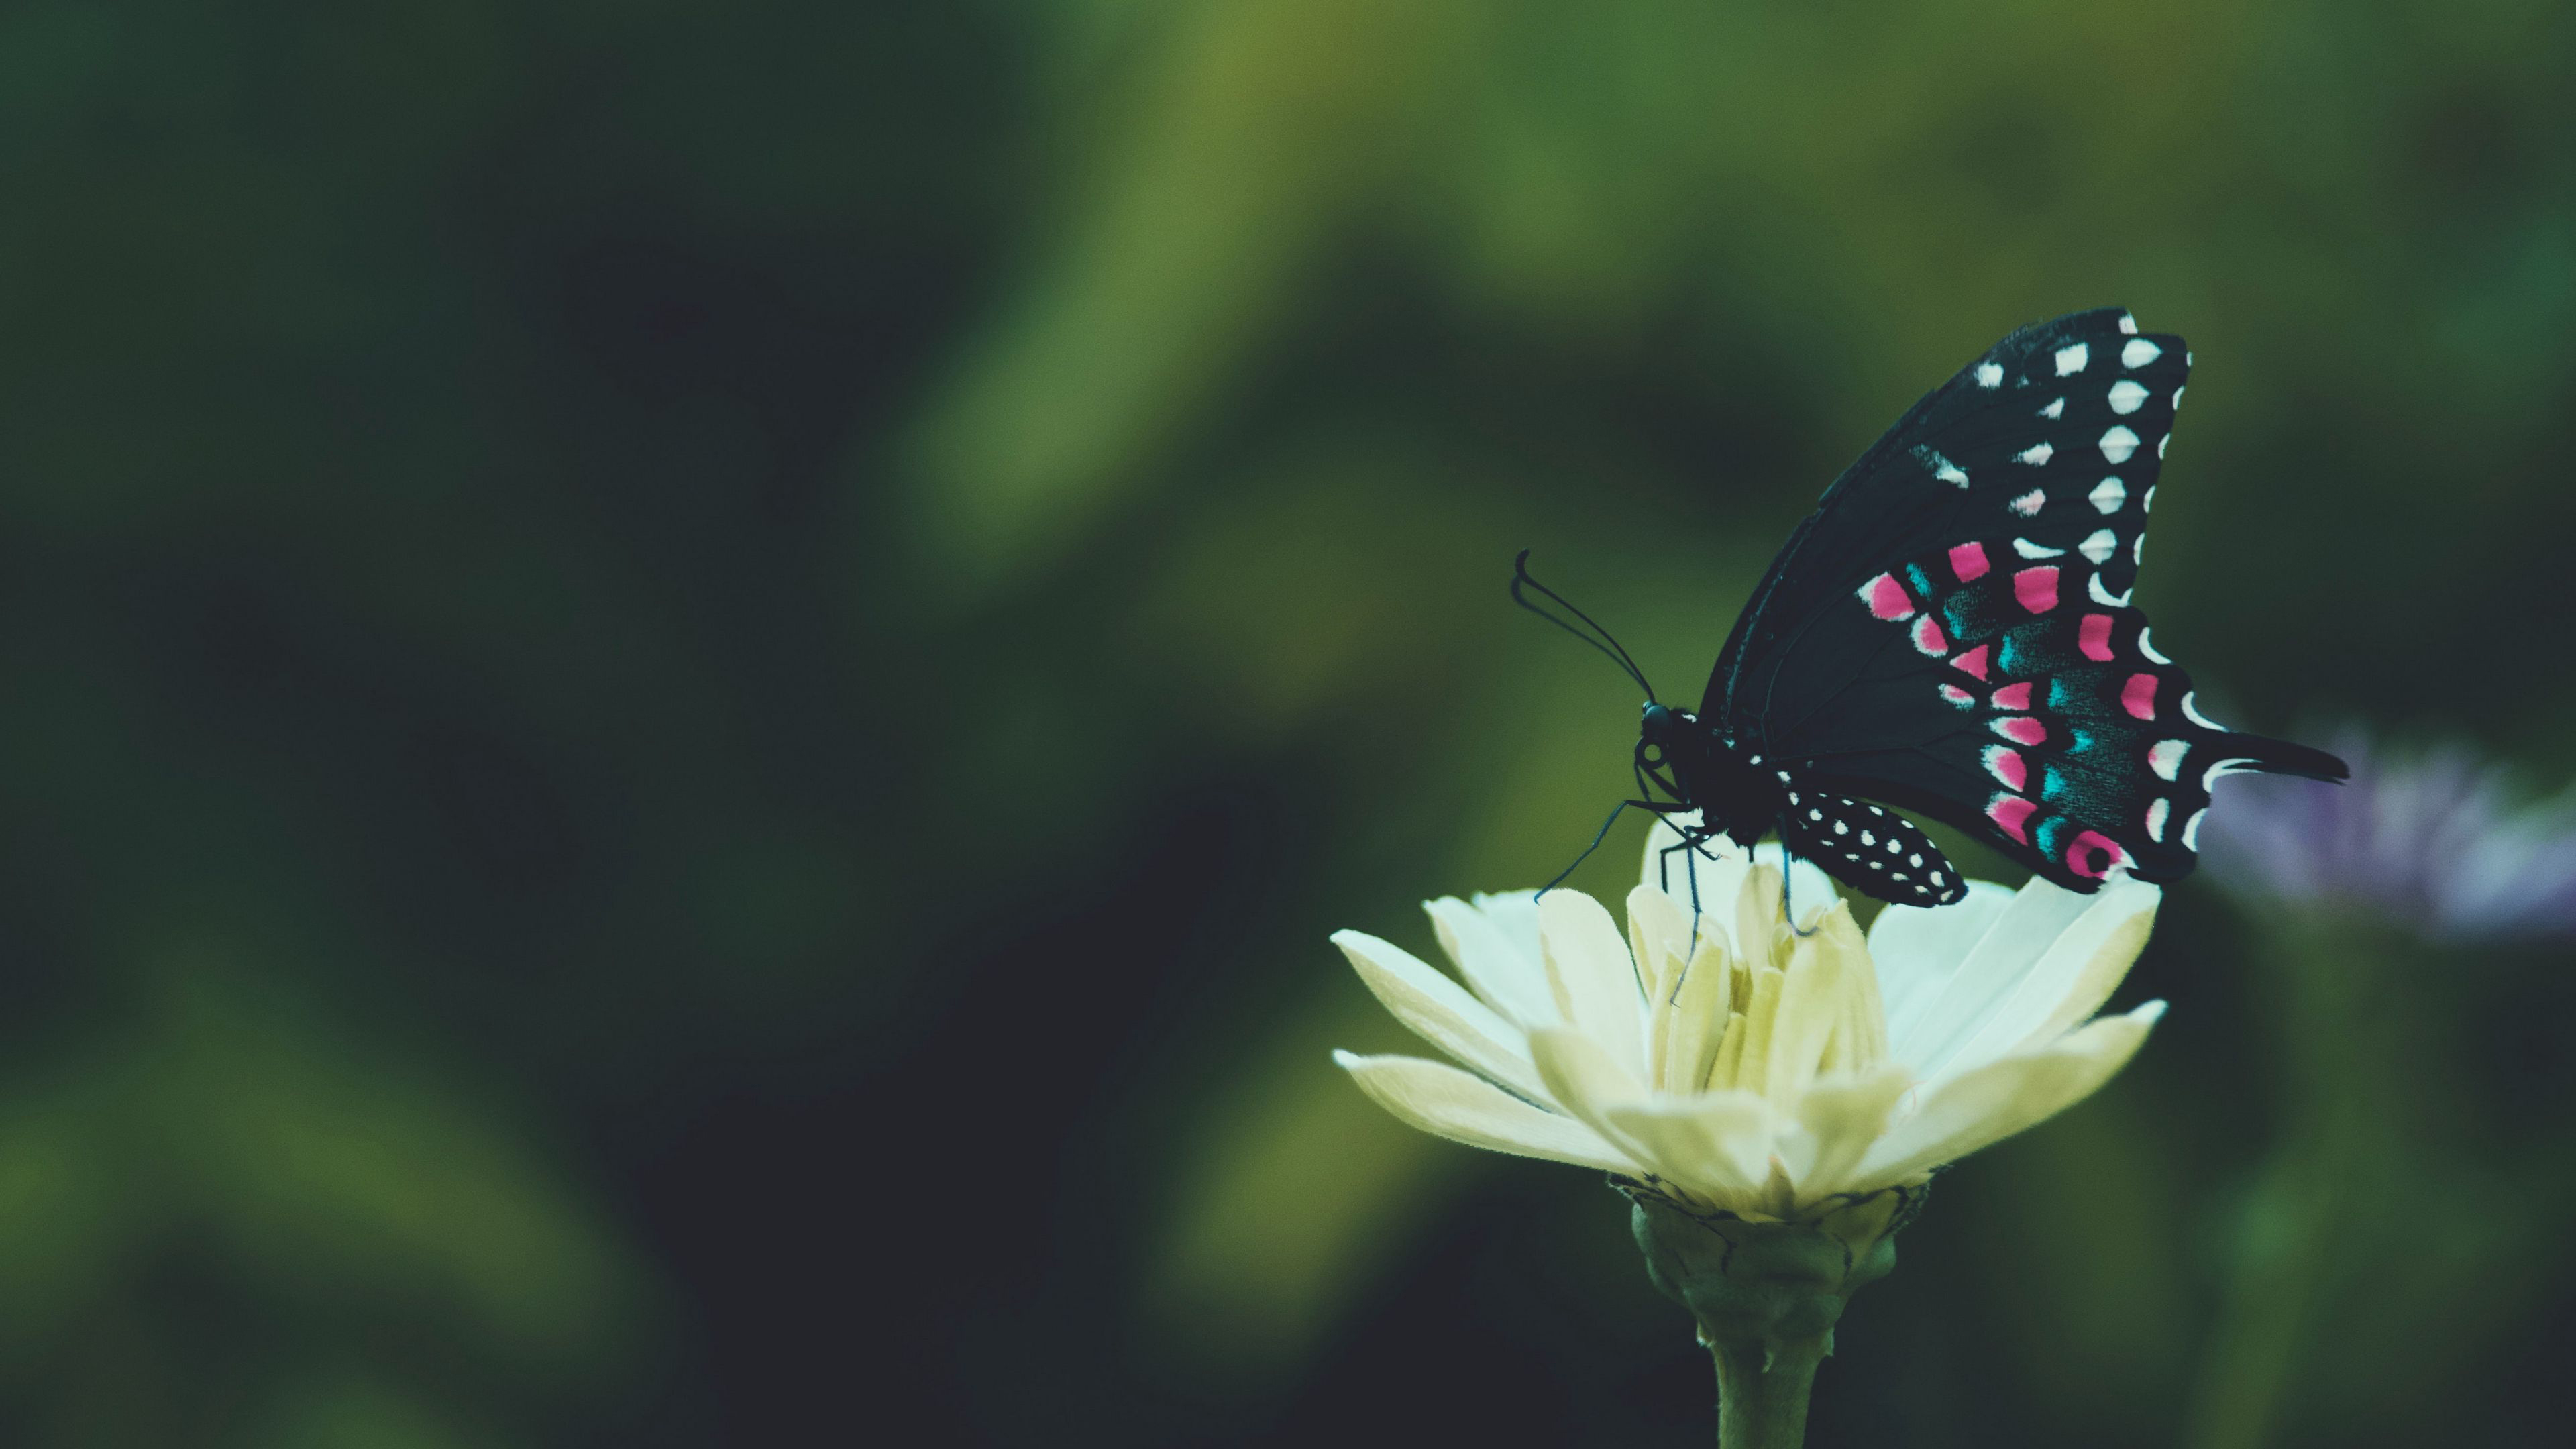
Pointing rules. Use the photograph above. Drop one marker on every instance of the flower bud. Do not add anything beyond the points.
(1769, 1283)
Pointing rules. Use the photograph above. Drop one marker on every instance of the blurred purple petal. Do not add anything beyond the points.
(2436, 841)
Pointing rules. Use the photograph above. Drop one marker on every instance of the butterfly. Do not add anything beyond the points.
(1951, 632)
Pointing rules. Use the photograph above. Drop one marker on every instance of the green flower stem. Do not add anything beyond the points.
(2337, 1044)
(1766, 1296)
(1762, 1392)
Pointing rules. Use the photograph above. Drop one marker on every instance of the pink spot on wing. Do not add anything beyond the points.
(2036, 588)
(2093, 636)
(1957, 696)
(1929, 638)
(1886, 597)
(2011, 814)
(2138, 696)
(2091, 854)
(2006, 765)
(2013, 696)
(1974, 661)
(2021, 729)
(1968, 561)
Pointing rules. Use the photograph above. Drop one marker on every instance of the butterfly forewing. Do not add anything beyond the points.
(1952, 632)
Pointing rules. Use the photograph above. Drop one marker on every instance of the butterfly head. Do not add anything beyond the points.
(1669, 746)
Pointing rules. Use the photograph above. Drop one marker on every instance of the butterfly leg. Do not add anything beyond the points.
(1659, 807)
(1691, 845)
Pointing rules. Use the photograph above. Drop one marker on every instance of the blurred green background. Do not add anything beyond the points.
(686, 689)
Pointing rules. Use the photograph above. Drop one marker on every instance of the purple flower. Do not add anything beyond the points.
(2437, 841)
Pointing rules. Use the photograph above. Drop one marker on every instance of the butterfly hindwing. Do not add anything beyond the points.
(1869, 848)
(1952, 631)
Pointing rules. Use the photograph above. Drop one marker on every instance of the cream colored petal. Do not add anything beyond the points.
(1595, 984)
(2001, 1098)
(1717, 1145)
(1917, 948)
(1813, 999)
(1580, 1074)
(1659, 936)
(1441, 1012)
(1938, 1023)
(1463, 1107)
(1508, 976)
(1839, 1120)
(2079, 973)
(2099, 976)
(1697, 1018)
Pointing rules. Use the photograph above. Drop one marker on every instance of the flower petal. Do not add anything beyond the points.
(1940, 1020)
(1717, 1144)
(1502, 969)
(1983, 1107)
(1580, 1074)
(1442, 1012)
(1840, 1119)
(1659, 936)
(1594, 982)
(1463, 1107)
(1918, 948)
(2068, 983)
(1814, 998)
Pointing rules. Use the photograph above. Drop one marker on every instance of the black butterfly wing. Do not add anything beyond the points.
(1950, 631)
(1869, 848)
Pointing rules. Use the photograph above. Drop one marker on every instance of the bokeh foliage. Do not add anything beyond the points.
(689, 687)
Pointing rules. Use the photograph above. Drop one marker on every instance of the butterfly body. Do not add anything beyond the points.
(1703, 771)
(1951, 632)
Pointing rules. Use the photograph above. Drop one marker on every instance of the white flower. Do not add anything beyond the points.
(1750, 1068)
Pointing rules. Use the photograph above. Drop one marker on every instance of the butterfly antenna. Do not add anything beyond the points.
(1606, 643)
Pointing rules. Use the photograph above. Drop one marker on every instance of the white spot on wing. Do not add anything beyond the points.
(2102, 594)
(2209, 777)
(2138, 352)
(2118, 444)
(1942, 468)
(2191, 711)
(2028, 549)
(2127, 397)
(2177, 399)
(2037, 454)
(2149, 650)
(1990, 374)
(2072, 359)
(2054, 410)
(2098, 544)
(2157, 810)
(2165, 758)
(2028, 505)
(2191, 830)
(2128, 324)
(2108, 495)
(2160, 444)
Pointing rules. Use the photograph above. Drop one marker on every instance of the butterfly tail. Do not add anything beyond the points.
(2286, 757)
